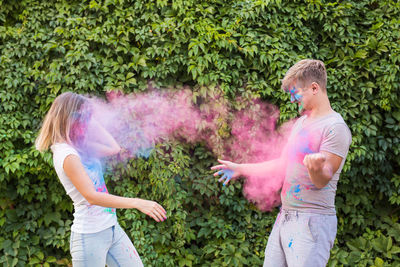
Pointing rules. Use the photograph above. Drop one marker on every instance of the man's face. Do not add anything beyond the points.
(300, 95)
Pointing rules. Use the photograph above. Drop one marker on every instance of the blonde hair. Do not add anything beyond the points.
(57, 123)
(305, 72)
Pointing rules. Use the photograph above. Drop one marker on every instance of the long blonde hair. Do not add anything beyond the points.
(57, 123)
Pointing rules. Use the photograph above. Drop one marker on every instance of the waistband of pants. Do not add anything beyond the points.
(296, 214)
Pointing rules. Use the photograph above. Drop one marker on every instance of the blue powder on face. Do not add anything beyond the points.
(294, 96)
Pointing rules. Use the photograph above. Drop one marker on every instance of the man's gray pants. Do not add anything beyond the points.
(300, 239)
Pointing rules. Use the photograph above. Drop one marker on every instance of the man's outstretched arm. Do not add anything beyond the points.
(233, 170)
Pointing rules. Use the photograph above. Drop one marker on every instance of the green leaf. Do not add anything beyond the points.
(51, 259)
(361, 54)
(396, 115)
(40, 255)
(378, 262)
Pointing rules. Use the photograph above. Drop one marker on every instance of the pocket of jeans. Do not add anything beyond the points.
(313, 223)
(333, 232)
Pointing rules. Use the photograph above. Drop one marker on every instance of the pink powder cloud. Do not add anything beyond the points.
(139, 121)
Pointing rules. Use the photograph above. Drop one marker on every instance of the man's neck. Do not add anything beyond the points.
(322, 109)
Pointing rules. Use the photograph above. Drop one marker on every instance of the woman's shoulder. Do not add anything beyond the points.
(63, 148)
(61, 145)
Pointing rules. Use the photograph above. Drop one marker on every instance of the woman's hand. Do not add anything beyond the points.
(228, 170)
(152, 209)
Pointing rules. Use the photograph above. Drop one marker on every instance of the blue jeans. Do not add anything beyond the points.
(300, 239)
(111, 246)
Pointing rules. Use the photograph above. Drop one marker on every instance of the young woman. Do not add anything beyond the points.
(77, 142)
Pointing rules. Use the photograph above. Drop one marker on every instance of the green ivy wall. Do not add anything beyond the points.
(242, 48)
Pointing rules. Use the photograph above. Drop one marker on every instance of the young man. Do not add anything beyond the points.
(311, 162)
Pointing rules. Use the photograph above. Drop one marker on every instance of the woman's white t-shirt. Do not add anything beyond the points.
(87, 218)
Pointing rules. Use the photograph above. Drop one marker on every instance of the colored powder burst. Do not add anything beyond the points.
(141, 120)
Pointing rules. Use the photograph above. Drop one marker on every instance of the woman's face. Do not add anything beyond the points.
(79, 125)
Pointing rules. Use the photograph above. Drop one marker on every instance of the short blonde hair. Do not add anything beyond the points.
(305, 72)
(57, 123)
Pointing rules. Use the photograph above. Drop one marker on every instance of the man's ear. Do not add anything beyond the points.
(315, 87)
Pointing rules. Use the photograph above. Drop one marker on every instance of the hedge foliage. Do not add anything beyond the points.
(242, 48)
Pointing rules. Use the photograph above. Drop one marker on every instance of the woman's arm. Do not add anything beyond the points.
(99, 141)
(76, 173)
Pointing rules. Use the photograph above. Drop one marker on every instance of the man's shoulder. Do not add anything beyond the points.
(337, 127)
(337, 119)
(333, 120)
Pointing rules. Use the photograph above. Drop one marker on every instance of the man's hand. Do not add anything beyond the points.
(321, 167)
(228, 170)
(314, 162)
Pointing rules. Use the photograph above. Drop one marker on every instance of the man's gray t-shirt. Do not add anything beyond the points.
(328, 133)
